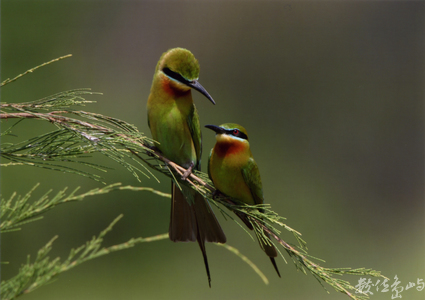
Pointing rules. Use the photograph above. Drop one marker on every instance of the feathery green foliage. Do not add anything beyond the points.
(18, 211)
(43, 270)
(73, 138)
(79, 134)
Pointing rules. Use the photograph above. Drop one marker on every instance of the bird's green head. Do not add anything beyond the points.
(229, 131)
(231, 140)
(180, 61)
(181, 69)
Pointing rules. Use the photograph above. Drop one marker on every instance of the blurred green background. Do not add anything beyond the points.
(331, 94)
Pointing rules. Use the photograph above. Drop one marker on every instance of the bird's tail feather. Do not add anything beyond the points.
(271, 252)
(189, 218)
(192, 219)
(269, 248)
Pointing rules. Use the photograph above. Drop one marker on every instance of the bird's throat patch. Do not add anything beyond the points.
(173, 91)
(227, 146)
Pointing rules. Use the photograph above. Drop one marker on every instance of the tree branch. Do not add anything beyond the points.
(124, 138)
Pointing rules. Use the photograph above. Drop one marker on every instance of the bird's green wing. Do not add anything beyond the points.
(195, 131)
(251, 175)
(209, 159)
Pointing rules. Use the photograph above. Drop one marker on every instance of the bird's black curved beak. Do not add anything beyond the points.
(194, 84)
(217, 129)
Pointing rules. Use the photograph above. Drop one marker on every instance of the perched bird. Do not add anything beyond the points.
(174, 123)
(233, 170)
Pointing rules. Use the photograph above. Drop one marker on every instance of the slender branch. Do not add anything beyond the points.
(125, 142)
(8, 80)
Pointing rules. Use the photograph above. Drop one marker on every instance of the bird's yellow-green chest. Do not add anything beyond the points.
(226, 173)
(169, 124)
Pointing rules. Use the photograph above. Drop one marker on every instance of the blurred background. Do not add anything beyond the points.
(331, 94)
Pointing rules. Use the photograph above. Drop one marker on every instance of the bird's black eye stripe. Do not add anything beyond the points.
(237, 133)
(175, 76)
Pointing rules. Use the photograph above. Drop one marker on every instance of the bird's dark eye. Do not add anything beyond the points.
(235, 131)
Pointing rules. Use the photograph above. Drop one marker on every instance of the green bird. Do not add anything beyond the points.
(233, 170)
(174, 124)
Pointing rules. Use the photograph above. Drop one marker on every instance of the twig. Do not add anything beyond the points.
(8, 80)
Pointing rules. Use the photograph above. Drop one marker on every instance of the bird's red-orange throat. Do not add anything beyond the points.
(167, 86)
(230, 147)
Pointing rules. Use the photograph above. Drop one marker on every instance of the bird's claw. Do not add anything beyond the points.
(187, 173)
